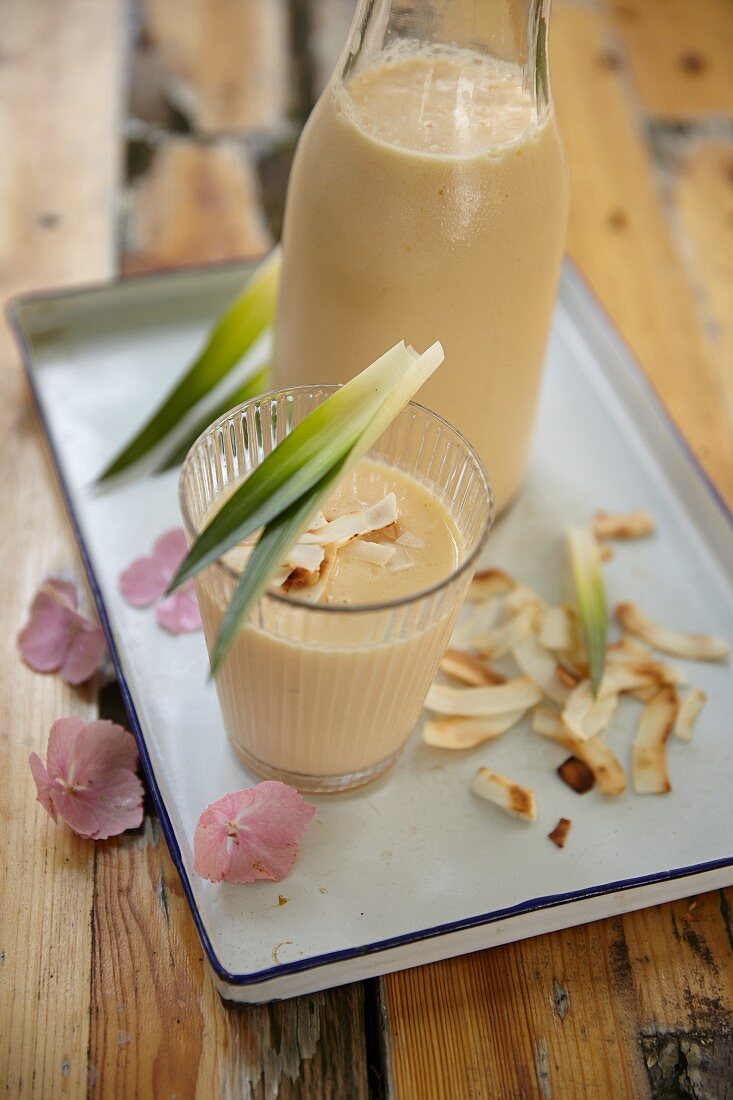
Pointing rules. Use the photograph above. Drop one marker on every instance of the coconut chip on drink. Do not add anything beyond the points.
(373, 535)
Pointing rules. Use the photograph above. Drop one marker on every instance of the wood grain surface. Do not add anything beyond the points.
(148, 133)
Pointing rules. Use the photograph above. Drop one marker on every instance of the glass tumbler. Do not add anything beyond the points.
(324, 697)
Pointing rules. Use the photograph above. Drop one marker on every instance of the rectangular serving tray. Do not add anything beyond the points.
(412, 868)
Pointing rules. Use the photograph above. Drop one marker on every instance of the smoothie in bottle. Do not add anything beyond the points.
(429, 197)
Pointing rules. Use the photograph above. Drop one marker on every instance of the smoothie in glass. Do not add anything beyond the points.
(325, 682)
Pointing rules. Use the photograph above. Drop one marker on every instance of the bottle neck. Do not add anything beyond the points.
(511, 31)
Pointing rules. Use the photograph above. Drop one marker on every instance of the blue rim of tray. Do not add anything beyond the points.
(281, 970)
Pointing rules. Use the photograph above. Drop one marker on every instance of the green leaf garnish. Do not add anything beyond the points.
(298, 462)
(257, 383)
(270, 549)
(233, 335)
(585, 560)
(283, 494)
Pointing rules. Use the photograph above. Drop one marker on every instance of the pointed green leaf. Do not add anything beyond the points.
(585, 560)
(234, 334)
(272, 546)
(298, 462)
(256, 384)
(283, 531)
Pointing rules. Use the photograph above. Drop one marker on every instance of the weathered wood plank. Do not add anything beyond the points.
(680, 54)
(619, 236)
(222, 63)
(580, 1014)
(59, 172)
(158, 1025)
(535, 1019)
(197, 202)
(702, 195)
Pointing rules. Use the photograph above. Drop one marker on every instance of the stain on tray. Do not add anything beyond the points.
(277, 948)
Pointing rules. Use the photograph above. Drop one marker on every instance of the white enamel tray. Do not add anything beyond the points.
(412, 868)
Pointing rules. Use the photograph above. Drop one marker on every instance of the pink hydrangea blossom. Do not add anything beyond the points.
(251, 834)
(179, 612)
(145, 580)
(57, 638)
(89, 778)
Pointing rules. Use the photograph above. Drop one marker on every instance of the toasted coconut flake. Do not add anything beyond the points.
(466, 733)
(618, 525)
(541, 667)
(680, 643)
(557, 628)
(549, 723)
(522, 596)
(619, 678)
(584, 714)
(469, 669)
(689, 709)
(375, 553)
(480, 702)
(339, 531)
(628, 651)
(307, 558)
(314, 593)
(298, 579)
(569, 676)
(515, 800)
(489, 583)
(643, 695)
(238, 556)
(605, 552)
(577, 775)
(476, 625)
(401, 560)
(560, 833)
(408, 539)
(595, 753)
(508, 635)
(648, 752)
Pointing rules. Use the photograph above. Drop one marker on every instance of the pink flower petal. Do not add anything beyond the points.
(86, 653)
(179, 613)
(89, 778)
(103, 810)
(251, 834)
(45, 639)
(170, 550)
(44, 785)
(81, 751)
(57, 638)
(143, 581)
(65, 589)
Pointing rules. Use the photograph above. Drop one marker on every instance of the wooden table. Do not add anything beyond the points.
(138, 135)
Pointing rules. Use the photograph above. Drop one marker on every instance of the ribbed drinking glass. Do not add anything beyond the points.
(324, 697)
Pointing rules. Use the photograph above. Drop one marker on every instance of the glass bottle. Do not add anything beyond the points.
(428, 201)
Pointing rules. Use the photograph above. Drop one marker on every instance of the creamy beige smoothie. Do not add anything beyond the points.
(428, 199)
(331, 694)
